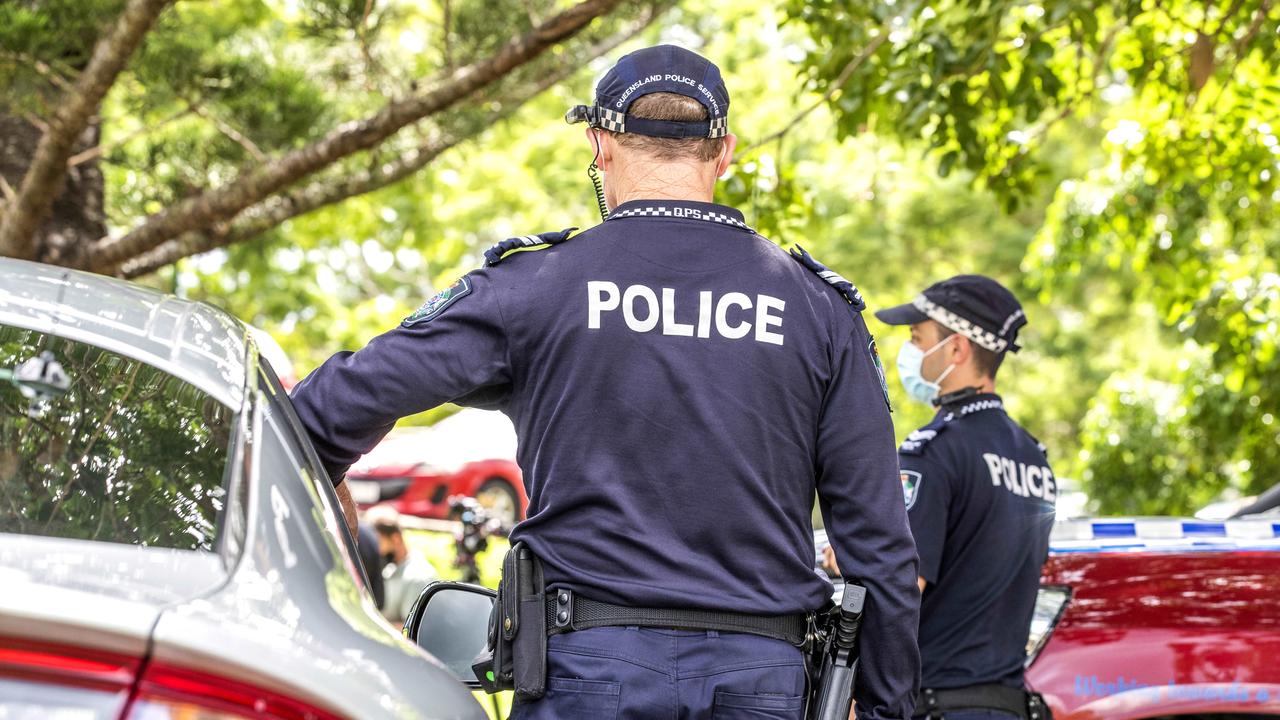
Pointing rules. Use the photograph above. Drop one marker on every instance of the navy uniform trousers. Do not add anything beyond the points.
(660, 674)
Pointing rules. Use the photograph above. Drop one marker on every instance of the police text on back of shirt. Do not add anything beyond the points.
(730, 315)
(1020, 478)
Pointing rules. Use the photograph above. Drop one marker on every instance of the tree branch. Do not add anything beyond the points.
(101, 149)
(43, 69)
(447, 22)
(849, 69)
(1239, 46)
(371, 65)
(364, 22)
(255, 184)
(36, 122)
(234, 135)
(40, 185)
(1231, 11)
(1238, 50)
(278, 209)
(1100, 57)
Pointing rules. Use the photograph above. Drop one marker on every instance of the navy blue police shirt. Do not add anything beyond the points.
(980, 497)
(680, 387)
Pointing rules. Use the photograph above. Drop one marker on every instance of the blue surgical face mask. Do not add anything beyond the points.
(910, 360)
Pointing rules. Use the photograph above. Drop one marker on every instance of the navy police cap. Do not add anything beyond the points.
(975, 306)
(662, 68)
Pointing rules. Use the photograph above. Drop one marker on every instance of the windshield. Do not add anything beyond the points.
(103, 447)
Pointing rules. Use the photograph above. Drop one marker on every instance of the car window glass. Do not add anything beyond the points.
(125, 452)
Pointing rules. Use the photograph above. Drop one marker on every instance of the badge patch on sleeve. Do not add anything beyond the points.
(910, 486)
(875, 360)
(432, 308)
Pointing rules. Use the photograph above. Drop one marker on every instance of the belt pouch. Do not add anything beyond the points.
(529, 641)
(507, 621)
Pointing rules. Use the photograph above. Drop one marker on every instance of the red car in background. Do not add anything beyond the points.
(1160, 618)
(1156, 619)
(417, 470)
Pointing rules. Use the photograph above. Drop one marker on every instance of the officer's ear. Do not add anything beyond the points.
(601, 147)
(961, 349)
(726, 154)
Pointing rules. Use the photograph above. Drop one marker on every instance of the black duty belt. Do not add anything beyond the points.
(936, 702)
(568, 611)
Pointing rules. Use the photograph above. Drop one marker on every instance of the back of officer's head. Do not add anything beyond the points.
(672, 107)
(659, 105)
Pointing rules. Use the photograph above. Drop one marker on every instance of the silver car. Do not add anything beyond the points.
(169, 545)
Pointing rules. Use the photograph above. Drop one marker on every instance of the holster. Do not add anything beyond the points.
(517, 651)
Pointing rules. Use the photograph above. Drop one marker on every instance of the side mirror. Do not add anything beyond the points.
(450, 620)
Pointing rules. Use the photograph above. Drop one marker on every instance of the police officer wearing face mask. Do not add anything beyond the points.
(680, 388)
(980, 498)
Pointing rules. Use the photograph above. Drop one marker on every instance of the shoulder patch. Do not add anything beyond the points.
(498, 253)
(918, 439)
(910, 486)
(832, 278)
(440, 302)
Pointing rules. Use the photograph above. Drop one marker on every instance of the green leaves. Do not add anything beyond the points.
(1175, 209)
(1060, 146)
(46, 42)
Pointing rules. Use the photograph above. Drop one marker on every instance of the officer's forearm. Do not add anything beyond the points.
(348, 506)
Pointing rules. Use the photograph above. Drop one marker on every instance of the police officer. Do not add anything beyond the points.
(980, 497)
(680, 387)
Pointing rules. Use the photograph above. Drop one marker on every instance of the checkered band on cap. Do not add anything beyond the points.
(952, 321)
(612, 120)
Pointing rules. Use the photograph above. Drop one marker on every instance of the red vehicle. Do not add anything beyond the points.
(417, 470)
(1160, 618)
(1157, 619)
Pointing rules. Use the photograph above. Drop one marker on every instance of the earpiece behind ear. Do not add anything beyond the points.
(596, 183)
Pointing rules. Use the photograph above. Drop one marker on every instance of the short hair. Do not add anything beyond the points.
(987, 361)
(388, 531)
(678, 108)
(384, 519)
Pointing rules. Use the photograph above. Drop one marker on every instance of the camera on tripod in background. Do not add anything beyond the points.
(471, 538)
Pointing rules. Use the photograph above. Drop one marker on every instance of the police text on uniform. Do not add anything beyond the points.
(642, 312)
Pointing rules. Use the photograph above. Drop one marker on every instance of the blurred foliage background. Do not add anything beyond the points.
(1113, 163)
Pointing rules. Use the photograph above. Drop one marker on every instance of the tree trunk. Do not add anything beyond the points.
(78, 217)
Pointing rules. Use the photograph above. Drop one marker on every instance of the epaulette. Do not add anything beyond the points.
(918, 439)
(833, 278)
(495, 254)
